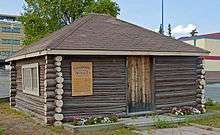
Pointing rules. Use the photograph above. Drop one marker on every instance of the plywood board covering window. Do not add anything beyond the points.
(30, 79)
(82, 84)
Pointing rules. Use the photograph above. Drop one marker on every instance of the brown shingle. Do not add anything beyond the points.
(102, 32)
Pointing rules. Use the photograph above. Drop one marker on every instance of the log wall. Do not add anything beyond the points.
(109, 87)
(26, 101)
(175, 81)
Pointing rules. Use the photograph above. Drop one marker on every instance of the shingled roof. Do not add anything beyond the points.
(97, 32)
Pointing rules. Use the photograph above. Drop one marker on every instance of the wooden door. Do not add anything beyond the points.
(139, 84)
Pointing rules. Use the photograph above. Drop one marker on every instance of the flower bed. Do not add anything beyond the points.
(78, 121)
(186, 110)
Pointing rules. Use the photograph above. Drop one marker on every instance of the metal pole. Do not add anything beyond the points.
(162, 17)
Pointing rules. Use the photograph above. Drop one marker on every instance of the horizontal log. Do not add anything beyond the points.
(58, 58)
(58, 109)
(28, 97)
(59, 85)
(202, 82)
(51, 88)
(176, 94)
(176, 105)
(50, 66)
(59, 103)
(29, 107)
(49, 94)
(199, 100)
(200, 86)
(59, 79)
(50, 76)
(12, 103)
(49, 106)
(58, 69)
(58, 116)
(199, 95)
(59, 74)
(50, 83)
(50, 61)
(49, 113)
(59, 91)
(49, 120)
(13, 90)
(57, 123)
(58, 63)
(59, 97)
(198, 91)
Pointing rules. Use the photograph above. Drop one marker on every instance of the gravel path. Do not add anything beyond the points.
(186, 130)
(191, 130)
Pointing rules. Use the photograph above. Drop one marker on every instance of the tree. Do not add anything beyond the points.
(169, 30)
(161, 29)
(194, 32)
(41, 17)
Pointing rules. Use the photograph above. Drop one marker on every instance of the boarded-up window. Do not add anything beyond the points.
(82, 79)
(30, 79)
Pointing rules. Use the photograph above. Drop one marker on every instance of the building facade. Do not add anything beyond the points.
(11, 35)
(210, 42)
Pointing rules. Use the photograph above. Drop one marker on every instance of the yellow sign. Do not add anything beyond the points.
(82, 79)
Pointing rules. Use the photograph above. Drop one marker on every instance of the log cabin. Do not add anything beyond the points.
(100, 65)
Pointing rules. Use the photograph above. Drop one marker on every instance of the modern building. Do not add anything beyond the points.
(210, 42)
(99, 66)
(11, 35)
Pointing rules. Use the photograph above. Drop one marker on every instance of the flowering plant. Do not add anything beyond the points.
(77, 121)
(185, 110)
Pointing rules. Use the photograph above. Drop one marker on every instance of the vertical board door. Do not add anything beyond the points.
(139, 84)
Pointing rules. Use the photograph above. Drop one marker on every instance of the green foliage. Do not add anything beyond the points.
(2, 131)
(169, 30)
(162, 123)
(57, 129)
(209, 102)
(41, 17)
(5, 109)
(113, 118)
(161, 29)
(194, 32)
(212, 120)
(214, 107)
(91, 121)
(75, 122)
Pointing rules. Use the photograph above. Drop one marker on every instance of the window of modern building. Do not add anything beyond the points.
(9, 29)
(10, 41)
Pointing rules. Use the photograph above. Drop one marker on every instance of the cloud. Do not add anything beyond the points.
(180, 29)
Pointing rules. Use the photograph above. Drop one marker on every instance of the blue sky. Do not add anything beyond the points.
(183, 15)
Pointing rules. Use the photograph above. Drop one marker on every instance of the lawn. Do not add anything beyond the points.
(13, 122)
(213, 120)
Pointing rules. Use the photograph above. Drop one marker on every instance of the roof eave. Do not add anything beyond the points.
(104, 52)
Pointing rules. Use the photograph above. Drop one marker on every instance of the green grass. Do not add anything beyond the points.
(57, 129)
(2, 131)
(162, 123)
(213, 120)
(213, 107)
(5, 109)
